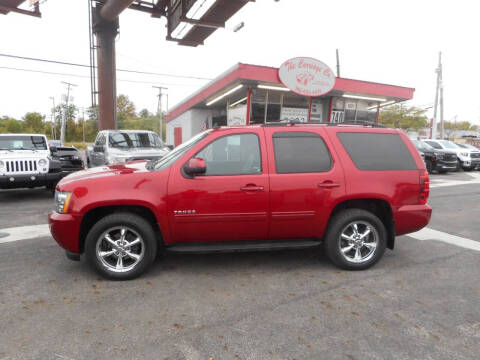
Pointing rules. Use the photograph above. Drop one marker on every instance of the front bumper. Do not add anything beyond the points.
(411, 218)
(65, 229)
(445, 165)
(29, 180)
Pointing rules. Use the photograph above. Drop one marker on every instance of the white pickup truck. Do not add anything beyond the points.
(116, 146)
(25, 162)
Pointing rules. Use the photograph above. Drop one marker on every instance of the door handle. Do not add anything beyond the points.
(328, 185)
(252, 187)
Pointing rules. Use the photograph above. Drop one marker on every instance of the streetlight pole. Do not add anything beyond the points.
(54, 121)
(64, 119)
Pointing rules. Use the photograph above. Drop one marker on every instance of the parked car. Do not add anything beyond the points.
(437, 159)
(474, 150)
(468, 159)
(350, 189)
(116, 146)
(26, 162)
(69, 157)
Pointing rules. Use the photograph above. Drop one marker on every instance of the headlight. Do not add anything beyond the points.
(2, 164)
(465, 154)
(62, 201)
(42, 162)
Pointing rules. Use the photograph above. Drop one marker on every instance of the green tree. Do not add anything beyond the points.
(404, 117)
(33, 123)
(10, 125)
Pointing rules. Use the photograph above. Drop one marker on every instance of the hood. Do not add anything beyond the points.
(132, 167)
(141, 151)
(443, 151)
(20, 154)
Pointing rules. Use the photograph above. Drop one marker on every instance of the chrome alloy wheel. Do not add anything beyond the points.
(358, 242)
(120, 249)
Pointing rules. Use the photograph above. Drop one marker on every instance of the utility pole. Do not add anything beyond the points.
(159, 109)
(54, 121)
(437, 90)
(64, 118)
(441, 102)
(338, 64)
(83, 124)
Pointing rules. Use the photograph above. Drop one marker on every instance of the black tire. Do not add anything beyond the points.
(429, 166)
(339, 223)
(467, 168)
(442, 171)
(136, 225)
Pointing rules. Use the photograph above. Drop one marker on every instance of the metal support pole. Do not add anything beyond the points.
(437, 70)
(107, 91)
(338, 64)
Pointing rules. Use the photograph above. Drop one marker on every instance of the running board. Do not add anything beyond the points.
(238, 246)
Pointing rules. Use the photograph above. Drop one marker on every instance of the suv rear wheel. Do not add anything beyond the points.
(355, 240)
(121, 246)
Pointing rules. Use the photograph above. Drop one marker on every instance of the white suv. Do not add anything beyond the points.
(469, 159)
(25, 162)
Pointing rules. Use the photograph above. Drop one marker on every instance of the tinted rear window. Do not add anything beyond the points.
(300, 152)
(370, 151)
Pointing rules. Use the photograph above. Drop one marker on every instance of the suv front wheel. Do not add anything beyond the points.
(121, 246)
(355, 240)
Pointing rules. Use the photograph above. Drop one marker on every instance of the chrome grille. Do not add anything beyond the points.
(475, 155)
(450, 157)
(21, 166)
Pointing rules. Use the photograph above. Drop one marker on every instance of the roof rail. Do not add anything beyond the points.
(359, 123)
(285, 122)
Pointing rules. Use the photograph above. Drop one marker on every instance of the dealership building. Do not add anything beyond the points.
(302, 89)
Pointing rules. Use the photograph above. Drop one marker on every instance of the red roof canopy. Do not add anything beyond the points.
(265, 74)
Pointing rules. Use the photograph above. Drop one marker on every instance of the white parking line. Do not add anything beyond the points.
(430, 234)
(36, 231)
(447, 182)
(24, 233)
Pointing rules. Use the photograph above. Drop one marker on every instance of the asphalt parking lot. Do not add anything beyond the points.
(422, 301)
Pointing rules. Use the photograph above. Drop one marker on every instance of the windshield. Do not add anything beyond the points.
(422, 145)
(448, 144)
(463, 146)
(176, 153)
(22, 142)
(124, 140)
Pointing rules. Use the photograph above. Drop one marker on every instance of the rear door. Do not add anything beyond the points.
(305, 179)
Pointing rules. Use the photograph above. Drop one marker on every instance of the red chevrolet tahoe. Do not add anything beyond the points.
(347, 189)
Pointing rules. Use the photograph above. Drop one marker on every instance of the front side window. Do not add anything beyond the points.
(100, 140)
(300, 152)
(237, 154)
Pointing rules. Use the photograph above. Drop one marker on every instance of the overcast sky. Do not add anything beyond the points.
(382, 41)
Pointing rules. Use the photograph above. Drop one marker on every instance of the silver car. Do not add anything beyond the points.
(116, 146)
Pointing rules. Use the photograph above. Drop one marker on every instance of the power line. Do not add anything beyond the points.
(84, 76)
(88, 66)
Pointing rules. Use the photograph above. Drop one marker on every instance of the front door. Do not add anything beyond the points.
(230, 201)
(305, 180)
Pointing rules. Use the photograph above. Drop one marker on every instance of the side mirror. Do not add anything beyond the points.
(53, 149)
(195, 166)
(169, 147)
(98, 148)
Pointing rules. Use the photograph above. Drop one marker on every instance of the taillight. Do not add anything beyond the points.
(424, 187)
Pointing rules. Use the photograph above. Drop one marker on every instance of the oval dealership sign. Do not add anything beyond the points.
(307, 76)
